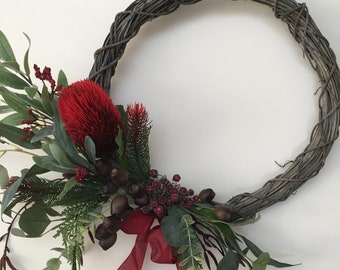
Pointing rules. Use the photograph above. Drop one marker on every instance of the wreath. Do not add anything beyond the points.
(100, 153)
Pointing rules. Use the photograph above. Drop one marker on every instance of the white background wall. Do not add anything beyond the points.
(229, 94)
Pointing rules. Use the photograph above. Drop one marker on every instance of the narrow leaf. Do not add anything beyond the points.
(4, 178)
(15, 119)
(31, 91)
(261, 262)
(66, 143)
(15, 135)
(11, 65)
(51, 164)
(8, 78)
(42, 133)
(6, 52)
(90, 149)
(62, 80)
(60, 156)
(14, 101)
(26, 63)
(257, 252)
(46, 100)
(68, 186)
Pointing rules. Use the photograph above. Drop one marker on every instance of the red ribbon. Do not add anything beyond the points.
(161, 252)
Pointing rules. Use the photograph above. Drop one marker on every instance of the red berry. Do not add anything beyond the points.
(196, 198)
(176, 178)
(159, 210)
(174, 197)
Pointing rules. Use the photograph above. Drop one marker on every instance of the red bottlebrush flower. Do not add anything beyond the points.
(86, 110)
(81, 173)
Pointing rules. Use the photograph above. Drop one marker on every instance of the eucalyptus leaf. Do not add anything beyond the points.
(15, 134)
(170, 230)
(51, 212)
(10, 79)
(53, 264)
(34, 220)
(90, 149)
(26, 63)
(4, 178)
(229, 262)
(6, 52)
(261, 262)
(18, 232)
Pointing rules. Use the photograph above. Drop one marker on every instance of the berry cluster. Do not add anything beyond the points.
(164, 193)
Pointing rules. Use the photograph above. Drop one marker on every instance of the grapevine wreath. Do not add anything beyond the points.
(100, 152)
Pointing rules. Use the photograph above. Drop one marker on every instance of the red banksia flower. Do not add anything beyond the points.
(86, 110)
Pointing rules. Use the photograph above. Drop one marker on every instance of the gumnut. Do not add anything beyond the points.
(223, 213)
(104, 169)
(119, 177)
(135, 190)
(142, 200)
(112, 224)
(119, 205)
(206, 195)
(101, 233)
(108, 242)
(109, 188)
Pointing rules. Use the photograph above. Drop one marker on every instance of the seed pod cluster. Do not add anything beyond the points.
(114, 177)
(138, 193)
(106, 232)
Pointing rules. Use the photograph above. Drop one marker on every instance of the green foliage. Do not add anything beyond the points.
(62, 79)
(4, 178)
(26, 62)
(259, 254)
(229, 262)
(8, 78)
(66, 143)
(12, 189)
(77, 219)
(90, 149)
(178, 232)
(53, 264)
(6, 52)
(34, 220)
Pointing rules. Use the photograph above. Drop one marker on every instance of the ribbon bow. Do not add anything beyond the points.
(161, 252)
